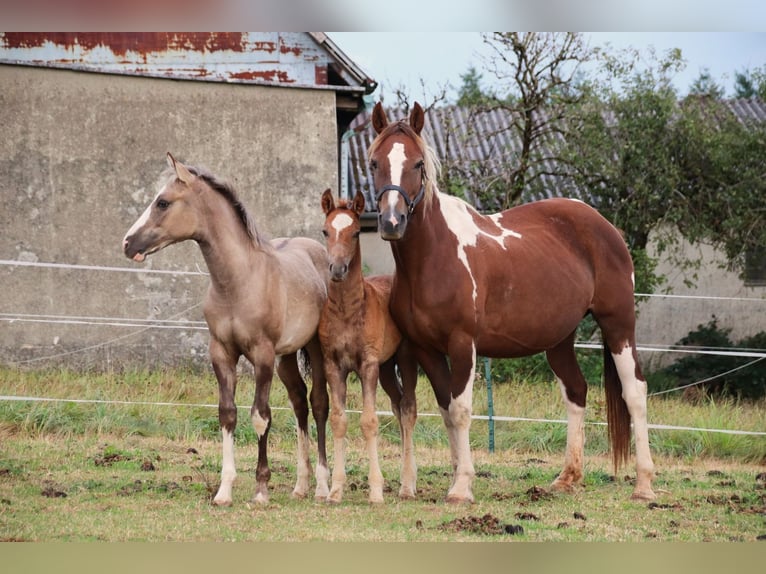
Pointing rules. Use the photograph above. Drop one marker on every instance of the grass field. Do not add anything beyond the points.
(146, 472)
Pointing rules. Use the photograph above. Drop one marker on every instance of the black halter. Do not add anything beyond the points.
(411, 203)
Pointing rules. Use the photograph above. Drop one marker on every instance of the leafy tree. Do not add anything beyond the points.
(705, 85)
(652, 163)
(750, 84)
(470, 92)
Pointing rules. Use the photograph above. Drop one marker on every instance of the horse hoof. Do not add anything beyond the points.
(298, 495)
(223, 502)
(457, 499)
(333, 499)
(407, 495)
(261, 499)
(565, 487)
(643, 495)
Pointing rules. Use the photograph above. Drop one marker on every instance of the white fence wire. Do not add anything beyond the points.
(144, 324)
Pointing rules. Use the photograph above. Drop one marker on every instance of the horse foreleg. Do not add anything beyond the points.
(297, 393)
(260, 414)
(369, 423)
(320, 407)
(225, 372)
(453, 386)
(339, 424)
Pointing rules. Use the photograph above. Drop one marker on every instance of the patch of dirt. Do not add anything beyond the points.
(487, 525)
(538, 493)
(52, 490)
(664, 506)
(526, 516)
(109, 458)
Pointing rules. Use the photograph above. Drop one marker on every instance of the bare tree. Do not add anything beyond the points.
(522, 124)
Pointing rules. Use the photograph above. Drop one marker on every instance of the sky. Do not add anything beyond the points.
(402, 59)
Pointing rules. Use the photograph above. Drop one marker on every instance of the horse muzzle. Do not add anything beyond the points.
(392, 224)
(338, 271)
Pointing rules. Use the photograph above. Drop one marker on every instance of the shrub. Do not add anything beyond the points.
(749, 383)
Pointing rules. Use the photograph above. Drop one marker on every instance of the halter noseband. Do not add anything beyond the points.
(411, 203)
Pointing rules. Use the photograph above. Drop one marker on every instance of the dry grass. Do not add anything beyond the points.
(128, 474)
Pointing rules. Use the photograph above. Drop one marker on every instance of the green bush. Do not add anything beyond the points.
(748, 383)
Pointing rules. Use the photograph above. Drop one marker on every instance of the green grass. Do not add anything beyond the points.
(129, 472)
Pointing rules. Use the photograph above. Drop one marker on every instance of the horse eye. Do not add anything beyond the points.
(324, 232)
(163, 204)
(373, 165)
(419, 165)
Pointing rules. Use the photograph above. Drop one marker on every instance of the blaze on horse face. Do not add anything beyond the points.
(166, 220)
(398, 172)
(341, 231)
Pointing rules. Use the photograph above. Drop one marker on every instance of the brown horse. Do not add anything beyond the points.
(264, 301)
(506, 285)
(358, 334)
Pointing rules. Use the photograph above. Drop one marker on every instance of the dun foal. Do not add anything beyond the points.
(264, 301)
(357, 334)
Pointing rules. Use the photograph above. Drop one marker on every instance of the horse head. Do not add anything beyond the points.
(167, 219)
(341, 230)
(399, 164)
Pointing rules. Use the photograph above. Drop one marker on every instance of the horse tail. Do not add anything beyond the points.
(304, 363)
(617, 414)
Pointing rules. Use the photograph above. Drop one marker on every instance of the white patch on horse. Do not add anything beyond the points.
(396, 158)
(460, 222)
(141, 221)
(228, 472)
(575, 430)
(634, 393)
(341, 222)
(459, 414)
(259, 423)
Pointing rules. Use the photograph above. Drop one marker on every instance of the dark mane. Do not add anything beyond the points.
(227, 190)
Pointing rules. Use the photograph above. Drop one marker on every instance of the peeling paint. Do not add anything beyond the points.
(281, 58)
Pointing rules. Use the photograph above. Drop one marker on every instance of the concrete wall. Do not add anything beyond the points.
(80, 156)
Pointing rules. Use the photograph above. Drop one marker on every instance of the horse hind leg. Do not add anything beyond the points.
(404, 405)
(297, 393)
(320, 407)
(633, 384)
(574, 390)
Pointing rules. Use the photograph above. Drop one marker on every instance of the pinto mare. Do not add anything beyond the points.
(506, 285)
(357, 334)
(263, 302)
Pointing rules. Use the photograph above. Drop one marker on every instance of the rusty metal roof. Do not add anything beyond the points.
(294, 59)
(462, 138)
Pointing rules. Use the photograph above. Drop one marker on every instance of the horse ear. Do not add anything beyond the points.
(417, 118)
(358, 204)
(379, 119)
(181, 172)
(328, 203)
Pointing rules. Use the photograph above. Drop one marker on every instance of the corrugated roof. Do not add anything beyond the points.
(296, 59)
(463, 138)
